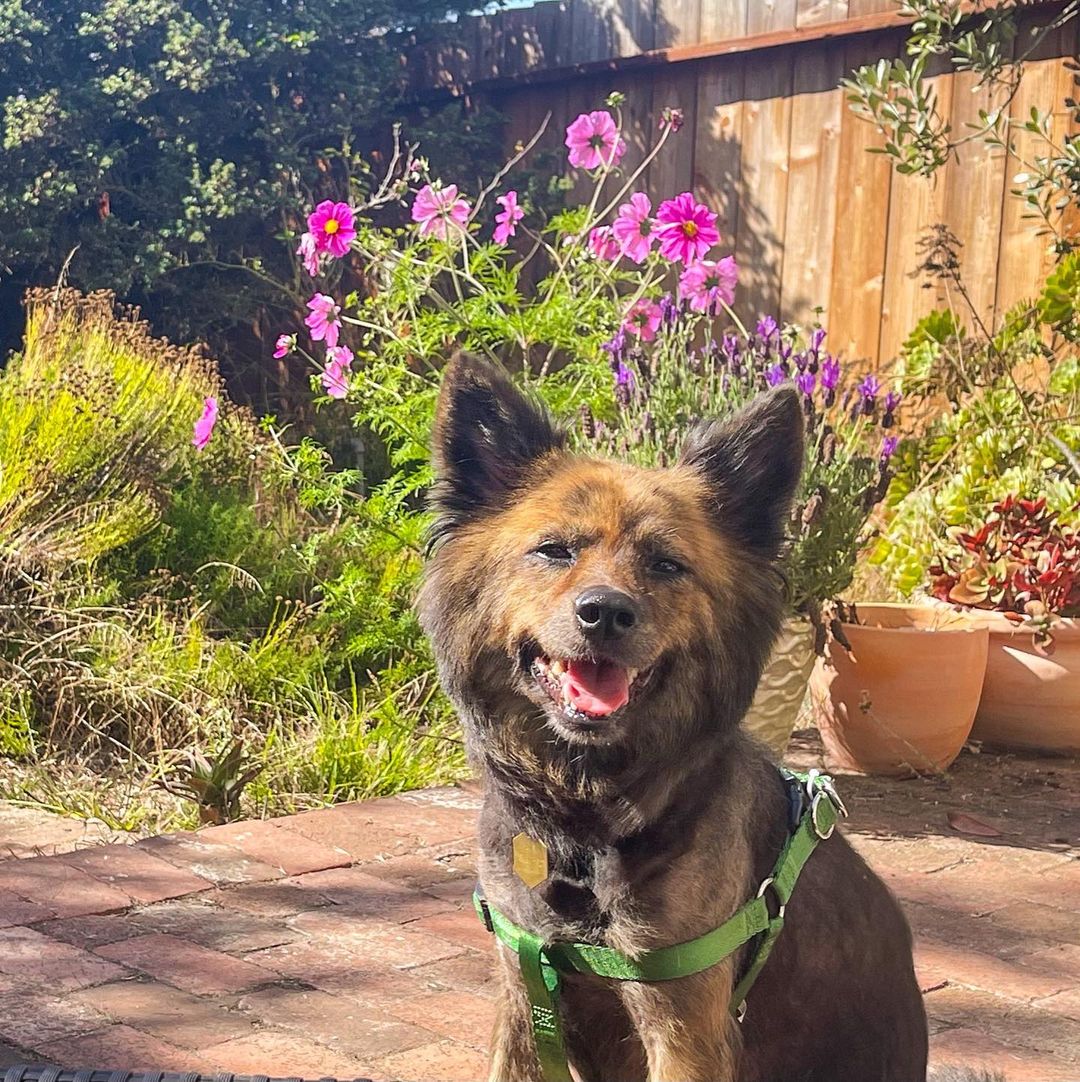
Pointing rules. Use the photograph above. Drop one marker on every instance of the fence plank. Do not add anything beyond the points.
(857, 8)
(812, 175)
(815, 12)
(916, 204)
(718, 142)
(677, 22)
(763, 16)
(974, 186)
(672, 171)
(766, 130)
(723, 19)
(863, 183)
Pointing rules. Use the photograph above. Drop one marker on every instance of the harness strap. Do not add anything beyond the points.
(542, 963)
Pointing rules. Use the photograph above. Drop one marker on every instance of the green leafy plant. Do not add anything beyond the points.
(216, 783)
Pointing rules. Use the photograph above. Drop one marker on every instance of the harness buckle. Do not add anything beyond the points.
(765, 884)
(822, 795)
(485, 914)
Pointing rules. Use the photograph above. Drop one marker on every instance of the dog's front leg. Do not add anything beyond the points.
(513, 1050)
(686, 1027)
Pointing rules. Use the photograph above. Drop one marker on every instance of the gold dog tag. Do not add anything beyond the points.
(530, 860)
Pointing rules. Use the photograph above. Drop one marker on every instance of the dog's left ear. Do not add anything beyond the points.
(487, 434)
(753, 463)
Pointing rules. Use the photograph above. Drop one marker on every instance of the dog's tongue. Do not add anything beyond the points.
(595, 687)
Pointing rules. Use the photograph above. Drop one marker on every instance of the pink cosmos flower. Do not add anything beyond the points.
(706, 284)
(506, 222)
(594, 140)
(436, 210)
(335, 376)
(602, 244)
(284, 345)
(324, 322)
(204, 426)
(634, 229)
(642, 319)
(333, 227)
(687, 229)
(308, 251)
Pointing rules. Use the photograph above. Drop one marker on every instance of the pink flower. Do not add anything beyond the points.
(706, 284)
(324, 322)
(335, 376)
(642, 319)
(506, 222)
(284, 345)
(594, 140)
(633, 228)
(204, 426)
(687, 229)
(602, 244)
(436, 209)
(333, 227)
(308, 251)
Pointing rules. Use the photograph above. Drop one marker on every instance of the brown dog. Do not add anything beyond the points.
(602, 629)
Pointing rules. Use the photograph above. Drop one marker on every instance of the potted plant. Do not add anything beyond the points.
(1017, 574)
(897, 689)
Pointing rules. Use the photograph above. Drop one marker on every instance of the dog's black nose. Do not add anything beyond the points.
(603, 613)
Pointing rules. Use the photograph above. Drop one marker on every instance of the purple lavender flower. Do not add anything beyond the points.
(669, 310)
(869, 388)
(888, 448)
(786, 349)
(830, 377)
(624, 376)
(767, 327)
(805, 381)
(614, 348)
(775, 374)
(816, 339)
(888, 415)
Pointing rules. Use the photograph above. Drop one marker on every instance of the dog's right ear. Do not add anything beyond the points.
(487, 434)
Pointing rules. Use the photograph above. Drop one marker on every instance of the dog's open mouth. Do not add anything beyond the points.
(588, 688)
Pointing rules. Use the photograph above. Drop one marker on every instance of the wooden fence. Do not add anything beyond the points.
(814, 219)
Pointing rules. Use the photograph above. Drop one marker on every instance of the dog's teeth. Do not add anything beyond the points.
(631, 675)
(556, 668)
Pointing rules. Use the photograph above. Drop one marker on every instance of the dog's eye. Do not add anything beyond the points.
(554, 552)
(665, 565)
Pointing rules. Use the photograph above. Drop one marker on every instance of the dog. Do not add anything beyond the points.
(601, 629)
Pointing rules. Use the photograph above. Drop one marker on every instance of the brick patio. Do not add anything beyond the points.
(341, 941)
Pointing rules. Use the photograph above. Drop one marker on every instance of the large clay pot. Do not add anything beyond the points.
(780, 694)
(904, 699)
(1029, 699)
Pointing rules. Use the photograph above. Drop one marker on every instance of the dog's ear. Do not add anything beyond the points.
(487, 434)
(753, 463)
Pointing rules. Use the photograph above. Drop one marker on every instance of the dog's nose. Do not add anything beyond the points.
(604, 613)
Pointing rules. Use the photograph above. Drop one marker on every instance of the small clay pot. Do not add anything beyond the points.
(903, 700)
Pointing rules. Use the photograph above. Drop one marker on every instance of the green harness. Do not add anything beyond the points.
(543, 963)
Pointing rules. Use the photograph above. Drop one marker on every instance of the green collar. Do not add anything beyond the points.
(543, 963)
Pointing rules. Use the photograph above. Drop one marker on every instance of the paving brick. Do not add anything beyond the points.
(360, 895)
(998, 976)
(273, 843)
(138, 874)
(443, 1061)
(39, 960)
(121, 1047)
(15, 910)
(10, 1056)
(165, 1012)
(468, 972)
(213, 861)
(186, 965)
(952, 888)
(91, 931)
(1013, 1023)
(458, 1015)
(342, 1024)
(974, 1048)
(32, 1017)
(214, 926)
(458, 926)
(277, 899)
(971, 933)
(452, 862)
(1065, 1003)
(457, 891)
(272, 1052)
(56, 886)
(335, 966)
(1042, 922)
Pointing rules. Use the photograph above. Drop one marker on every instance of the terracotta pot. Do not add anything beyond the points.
(780, 694)
(903, 701)
(1029, 699)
